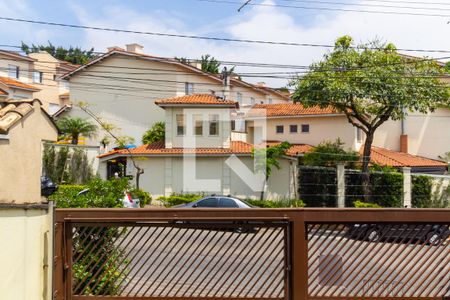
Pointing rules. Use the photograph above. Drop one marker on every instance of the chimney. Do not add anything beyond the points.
(261, 84)
(404, 143)
(136, 48)
(114, 48)
(225, 83)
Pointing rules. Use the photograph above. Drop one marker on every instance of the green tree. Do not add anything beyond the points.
(210, 64)
(328, 154)
(154, 134)
(370, 84)
(267, 159)
(72, 55)
(447, 67)
(74, 127)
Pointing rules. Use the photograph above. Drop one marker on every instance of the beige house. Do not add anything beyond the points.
(422, 136)
(34, 76)
(26, 226)
(198, 154)
(122, 85)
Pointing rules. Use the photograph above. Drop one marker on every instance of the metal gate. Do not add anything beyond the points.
(240, 254)
(176, 258)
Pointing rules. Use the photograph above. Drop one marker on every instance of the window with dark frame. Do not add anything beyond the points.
(188, 88)
(13, 71)
(198, 124)
(293, 128)
(305, 128)
(37, 77)
(280, 129)
(213, 124)
(181, 128)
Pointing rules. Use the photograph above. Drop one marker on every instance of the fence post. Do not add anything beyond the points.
(340, 175)
(299, 257)
(407, 186)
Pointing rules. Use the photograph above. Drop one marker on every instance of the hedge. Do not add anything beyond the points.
(421, 191)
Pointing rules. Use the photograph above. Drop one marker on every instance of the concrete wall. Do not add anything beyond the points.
(320, 129)
(21, 158)
(165, 175)
(25, 68)
(26, 239)
(427, 134)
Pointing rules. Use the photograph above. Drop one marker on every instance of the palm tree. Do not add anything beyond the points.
(74, 127)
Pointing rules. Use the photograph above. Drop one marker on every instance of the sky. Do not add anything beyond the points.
(193, 17)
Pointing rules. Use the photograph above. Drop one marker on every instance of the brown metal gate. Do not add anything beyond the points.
(259, 254)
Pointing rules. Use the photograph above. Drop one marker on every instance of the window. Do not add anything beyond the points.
(293, 128)
(13, 71)
(239, 97)
(198, 124)
(252, 100)
(233, 125)
(227, 202)
(270, 100)
(188, 88)
(305, 128)
(213, 124)
(359, 135)
(54, 77)
(280, 129)
(180, 124)
(37, 77)
(208, 202)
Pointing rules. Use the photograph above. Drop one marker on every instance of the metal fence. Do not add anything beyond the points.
(252, 254)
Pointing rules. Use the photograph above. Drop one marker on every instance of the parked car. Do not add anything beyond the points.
(215, 201)
(48, 187)
(127, 200)
(432, 234)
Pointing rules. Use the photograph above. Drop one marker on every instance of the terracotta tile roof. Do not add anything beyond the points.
(16, 55)
(12, 111)
(391, 158)
(17, 84)
(197, 99)
(158, 148)
(287, 110)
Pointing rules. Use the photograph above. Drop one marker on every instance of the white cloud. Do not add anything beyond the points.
(265, 23)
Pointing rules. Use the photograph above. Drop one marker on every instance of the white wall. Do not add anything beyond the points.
(26, 240)
(166, 175)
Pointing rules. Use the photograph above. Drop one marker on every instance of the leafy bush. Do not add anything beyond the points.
(143, 196)
(328, 154)
(154, 134)
(360, 204)
(177, 199)
(421, 191)
(276, 203)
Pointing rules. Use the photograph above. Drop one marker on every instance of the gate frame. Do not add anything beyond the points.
(298, 219)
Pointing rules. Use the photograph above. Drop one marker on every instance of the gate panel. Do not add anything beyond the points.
(378, 260)
(182, 260)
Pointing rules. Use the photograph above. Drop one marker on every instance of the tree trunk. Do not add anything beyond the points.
(74, 139)
(365, 166)
(263, 189)
(139, 171)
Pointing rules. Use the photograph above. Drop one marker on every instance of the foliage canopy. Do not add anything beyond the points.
(74, 55)
(154, 134)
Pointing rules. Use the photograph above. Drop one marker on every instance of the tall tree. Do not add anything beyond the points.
(73, 55)
(371, 84)
(156, 133)
(74, 127)
(267, 159)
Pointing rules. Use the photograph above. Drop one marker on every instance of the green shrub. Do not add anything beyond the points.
(360, 204)
(421, 191)
(276, 203)
(143, 196)
(177, 199)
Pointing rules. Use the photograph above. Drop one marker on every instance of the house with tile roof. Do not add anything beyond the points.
(34, 76)
(198, 154)
(121, 87)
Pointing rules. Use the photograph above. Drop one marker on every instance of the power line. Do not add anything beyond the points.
(368, 5)
(198, 37)
(330, 9)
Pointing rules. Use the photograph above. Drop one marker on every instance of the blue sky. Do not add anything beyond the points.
(213, 19)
